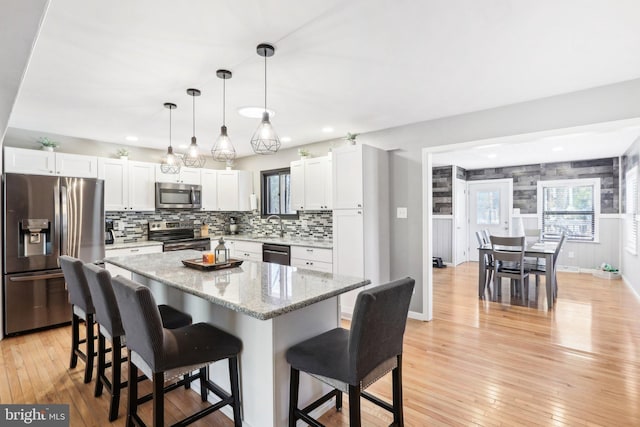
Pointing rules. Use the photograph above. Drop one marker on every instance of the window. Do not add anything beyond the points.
(631, 211)
(276, 193)
(571, 206)
(488, 207)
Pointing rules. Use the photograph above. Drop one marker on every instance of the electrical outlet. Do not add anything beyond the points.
(572, 254)
(401, 213)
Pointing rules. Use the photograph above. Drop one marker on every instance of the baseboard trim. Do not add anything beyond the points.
(417, 316)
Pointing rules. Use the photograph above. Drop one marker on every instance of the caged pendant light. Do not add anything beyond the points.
(223, 150)
(192, 158)
(170, 164)
(265, 140)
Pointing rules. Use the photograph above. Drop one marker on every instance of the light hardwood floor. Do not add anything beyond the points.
(477, 363)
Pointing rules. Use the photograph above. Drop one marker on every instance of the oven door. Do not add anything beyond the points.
(200, 245)
(178, 196)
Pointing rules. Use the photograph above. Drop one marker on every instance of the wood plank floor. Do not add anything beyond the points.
(477, 363)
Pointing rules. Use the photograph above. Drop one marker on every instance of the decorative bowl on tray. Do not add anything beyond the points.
(198, 264)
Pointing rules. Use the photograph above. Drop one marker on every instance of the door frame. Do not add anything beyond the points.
(454, 227)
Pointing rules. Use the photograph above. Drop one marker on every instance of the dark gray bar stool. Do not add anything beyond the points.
(351, 360)
(82, 311)
(162, 354)
(110, 328)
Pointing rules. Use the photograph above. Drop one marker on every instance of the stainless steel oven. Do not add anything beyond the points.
(178, 196)
(176, 236)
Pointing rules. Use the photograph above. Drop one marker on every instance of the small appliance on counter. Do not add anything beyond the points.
(233, 225)
(108, 232)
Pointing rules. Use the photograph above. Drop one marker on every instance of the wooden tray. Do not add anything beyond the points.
(199, 265)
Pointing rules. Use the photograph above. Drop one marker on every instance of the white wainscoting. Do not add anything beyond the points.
(443, 237)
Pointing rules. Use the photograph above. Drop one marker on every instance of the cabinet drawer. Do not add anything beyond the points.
(242, 246)
(324, 267)
(133, 251)
(312, 254)
(251, 256)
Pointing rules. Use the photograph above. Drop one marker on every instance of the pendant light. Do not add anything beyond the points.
(223, 150)
(265, 140)
(192, 158)
(171, 163)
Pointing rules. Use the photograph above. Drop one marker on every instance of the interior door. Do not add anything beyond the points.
(460, 222)
(490, 205)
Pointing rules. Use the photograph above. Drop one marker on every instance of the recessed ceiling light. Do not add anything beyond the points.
(254, 112)
(131, 138)
(285, 139)
(327, 129)
(557, 148)
(482, 147)
(492, 156)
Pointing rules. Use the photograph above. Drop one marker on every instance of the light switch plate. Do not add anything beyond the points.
(401, 213)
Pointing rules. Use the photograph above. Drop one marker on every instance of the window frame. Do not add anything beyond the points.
(580, 182)
(263, 202)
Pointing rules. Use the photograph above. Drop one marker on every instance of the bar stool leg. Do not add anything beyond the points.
(101, 365)
(116, 381)
(132, 399)
(338, 401)
(158, 399)
(354, 406)
(203, 383)
(88, 368)
(235, 390)
(294, 381)
(75, 340)
(396, 377)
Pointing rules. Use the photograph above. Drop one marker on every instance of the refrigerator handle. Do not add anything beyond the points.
(64, 226)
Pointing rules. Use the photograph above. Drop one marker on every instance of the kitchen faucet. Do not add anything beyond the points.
(279, 221)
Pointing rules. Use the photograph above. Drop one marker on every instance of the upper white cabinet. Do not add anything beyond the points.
(209, 183)
(189, 176)
(311, 186)
(38, 162)
(347, 174)
(128, 185)
(234, 188)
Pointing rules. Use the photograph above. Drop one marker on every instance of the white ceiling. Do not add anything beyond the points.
(102, 70)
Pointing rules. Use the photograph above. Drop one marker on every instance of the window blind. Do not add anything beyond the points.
(631, 211)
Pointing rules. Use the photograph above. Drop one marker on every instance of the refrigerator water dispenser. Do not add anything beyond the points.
(35, 234)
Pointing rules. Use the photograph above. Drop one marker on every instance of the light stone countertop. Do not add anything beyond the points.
(128, 245)
(259, 289)
(291, 241)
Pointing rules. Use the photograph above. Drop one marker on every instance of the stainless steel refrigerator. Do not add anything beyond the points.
(45, 217)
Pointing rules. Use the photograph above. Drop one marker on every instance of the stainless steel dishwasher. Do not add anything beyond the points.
(277, 254)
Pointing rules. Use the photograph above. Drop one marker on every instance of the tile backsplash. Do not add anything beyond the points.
(133, 226)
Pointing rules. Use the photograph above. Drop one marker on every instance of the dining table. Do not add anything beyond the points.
(544, 250)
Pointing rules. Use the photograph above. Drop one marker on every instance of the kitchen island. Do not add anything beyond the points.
(268, 306)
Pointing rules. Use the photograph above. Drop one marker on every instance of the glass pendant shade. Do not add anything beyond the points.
(192, 158)
(170, 164)
(223, 150)
(265, 140)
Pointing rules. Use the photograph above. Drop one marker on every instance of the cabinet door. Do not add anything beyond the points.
(166, 177)
(228, 190)
(76, 165)
(348, 250)
(209, 183)
(142, 192)
(328, 188)
(36, 162)
(116, 189)
(347, 177)
(315, 183)
(190, 176)
(297, 185)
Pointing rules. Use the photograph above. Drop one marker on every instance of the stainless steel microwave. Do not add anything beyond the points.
(178, 196)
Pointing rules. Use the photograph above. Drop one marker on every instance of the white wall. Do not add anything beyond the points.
(443, 237)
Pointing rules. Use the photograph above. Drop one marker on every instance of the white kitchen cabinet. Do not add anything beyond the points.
(296, 171)
(154, 249)
(128, 185)
(360, 217)
(189, 176)
(209, 184)
(241, 249)
(234, 189)
(347, 176)
(316, 259)
(311, 184)
(39, 162)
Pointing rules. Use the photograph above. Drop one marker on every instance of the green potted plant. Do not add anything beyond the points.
(123, 153)
(303, 153)
(351, 137)
(47, 144)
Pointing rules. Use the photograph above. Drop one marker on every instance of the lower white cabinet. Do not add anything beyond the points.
(316, 259)
(241, 249)
(155, 249)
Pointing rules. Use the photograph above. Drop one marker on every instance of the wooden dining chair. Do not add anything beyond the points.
(508, 261)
